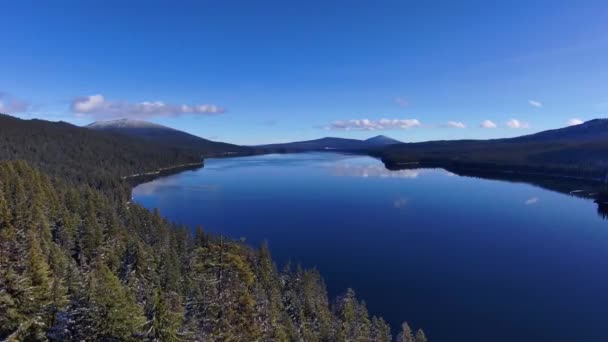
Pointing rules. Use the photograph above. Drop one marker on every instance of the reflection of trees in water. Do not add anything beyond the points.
(587, 189)
(602, 203)
(602, 210)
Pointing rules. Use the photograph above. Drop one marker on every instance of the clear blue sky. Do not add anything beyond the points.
(290, 70)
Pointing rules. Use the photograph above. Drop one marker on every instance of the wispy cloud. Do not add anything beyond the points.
(574, 122)
(487, 124)
(99, 107)
(373, 125)
(516, 124)
(10, 104)
(535, 103)
(456, 124)
(402, 101)
(532, 200)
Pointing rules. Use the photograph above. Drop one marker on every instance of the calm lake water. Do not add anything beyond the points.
(464, 258)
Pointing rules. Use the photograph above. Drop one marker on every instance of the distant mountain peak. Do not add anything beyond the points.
(382, 140)
(124, 123)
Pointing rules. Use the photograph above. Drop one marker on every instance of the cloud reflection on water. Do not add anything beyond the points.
(378, 171)
(531, 201)
(367, 170)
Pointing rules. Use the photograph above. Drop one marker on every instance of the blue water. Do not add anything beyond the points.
(463, 258)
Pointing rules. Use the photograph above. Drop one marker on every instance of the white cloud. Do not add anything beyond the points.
(487, 124)
(574, 122)
(531, 201)
(516, 124)
(88, 104)
(456, 124)
(402, 101)
(99, 107)
(10, 104)
(536, 104)
(372, 125)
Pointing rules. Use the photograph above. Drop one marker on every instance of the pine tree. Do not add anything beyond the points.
(117, 314)
(164, 323)
(406, 334)
(40, 292)
(380, 330)
(420, 336)
(270, 293)
(354, 319)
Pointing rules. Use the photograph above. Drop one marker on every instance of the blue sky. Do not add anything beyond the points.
(254, 72)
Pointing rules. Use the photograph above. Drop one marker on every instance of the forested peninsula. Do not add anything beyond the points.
(79, 262)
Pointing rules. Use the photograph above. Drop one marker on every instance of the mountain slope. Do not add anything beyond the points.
(596, 129)
(78, 154)
(165, 136)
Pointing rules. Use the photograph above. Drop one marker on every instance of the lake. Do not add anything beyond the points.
(464, 258)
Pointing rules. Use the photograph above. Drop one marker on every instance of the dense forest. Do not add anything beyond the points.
(83, 156)
(78, 262)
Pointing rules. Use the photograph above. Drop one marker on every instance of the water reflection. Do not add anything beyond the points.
(570, 186)
(377, 171)
(531, 201)
(171, 184)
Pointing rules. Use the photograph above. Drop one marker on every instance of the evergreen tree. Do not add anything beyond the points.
(117, 315)
(164, 323)
(406, 334)
(420, 336)
(380, 330)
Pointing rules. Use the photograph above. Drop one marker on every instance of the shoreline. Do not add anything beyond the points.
(164, 169)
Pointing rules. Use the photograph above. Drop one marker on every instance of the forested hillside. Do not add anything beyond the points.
(84, 156)
(576, 151)
(79, 264)
(167, 137)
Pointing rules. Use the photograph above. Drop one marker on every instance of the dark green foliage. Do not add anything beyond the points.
(406, 334)
(80, 266)
(381, 331)
(83, 156)
(420, 336)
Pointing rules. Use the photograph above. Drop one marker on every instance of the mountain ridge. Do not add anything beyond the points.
(125, 123)
(331, 143)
